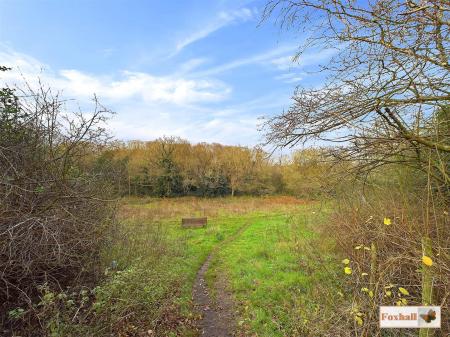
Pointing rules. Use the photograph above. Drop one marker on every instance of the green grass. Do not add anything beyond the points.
(268, 273)
(157, 286)
(272, 273)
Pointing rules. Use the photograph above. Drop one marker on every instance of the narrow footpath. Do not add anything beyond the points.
(217, 317)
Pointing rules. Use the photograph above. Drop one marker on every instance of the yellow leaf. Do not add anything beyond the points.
(404, 301)
(364, 274)
(403, 291)
(365, 289)
(358, 247)
(359, 320)
(366, 248)
(427, 261)
(371, 294)
(348, 270)
(345, 261)
(387, 221)
(388, 293)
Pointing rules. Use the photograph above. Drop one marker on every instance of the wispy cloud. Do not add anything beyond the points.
(191, 65)
(292, 61)
(263, 58)
(293, 77)
(116, 87)
(147, 106)
(146, 86)
(223, 18)
(284, 62)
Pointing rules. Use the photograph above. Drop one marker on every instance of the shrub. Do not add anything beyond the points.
(381, 226)
(53, 202)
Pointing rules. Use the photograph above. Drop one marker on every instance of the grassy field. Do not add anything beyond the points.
(271, 269)
(264, 248)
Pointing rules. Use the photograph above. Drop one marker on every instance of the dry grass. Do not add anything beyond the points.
(155, 209)
(387, 256)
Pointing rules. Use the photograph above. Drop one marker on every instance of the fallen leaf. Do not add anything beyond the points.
(427, 261)
(403, 291)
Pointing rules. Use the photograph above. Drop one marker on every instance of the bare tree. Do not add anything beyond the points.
(387, 93)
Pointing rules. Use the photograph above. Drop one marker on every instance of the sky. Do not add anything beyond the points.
(202, 70)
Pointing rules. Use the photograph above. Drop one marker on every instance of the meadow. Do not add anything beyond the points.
(259, 248)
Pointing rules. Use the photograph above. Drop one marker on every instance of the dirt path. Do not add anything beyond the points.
(217, 317)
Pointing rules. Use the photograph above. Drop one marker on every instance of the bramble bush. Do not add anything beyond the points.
(54, 207)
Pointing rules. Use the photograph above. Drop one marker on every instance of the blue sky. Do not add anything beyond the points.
(201, 70)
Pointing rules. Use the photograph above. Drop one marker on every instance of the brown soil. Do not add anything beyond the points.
(217, 316)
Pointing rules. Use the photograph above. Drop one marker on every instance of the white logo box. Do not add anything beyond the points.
(408, 317)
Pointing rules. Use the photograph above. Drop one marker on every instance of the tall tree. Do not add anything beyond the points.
(169, 181)
(237, 162)
(386, 83)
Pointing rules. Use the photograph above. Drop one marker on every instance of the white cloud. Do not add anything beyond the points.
(191, 64)
(148, 87)
(293, 77)
(287, 62)
(127, 85)
(196, 125)
(150, 106)
(263, 58)
(224, 18)
(147, 106)
(284, 62)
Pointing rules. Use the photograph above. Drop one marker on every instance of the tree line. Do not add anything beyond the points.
(171, 166)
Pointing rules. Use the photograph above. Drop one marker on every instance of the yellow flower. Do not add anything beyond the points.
(359, 320)
(348, 270)
(345, 261)
(387, 221)
(427, 261)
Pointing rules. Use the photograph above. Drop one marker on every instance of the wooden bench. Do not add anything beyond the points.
(194, 222)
